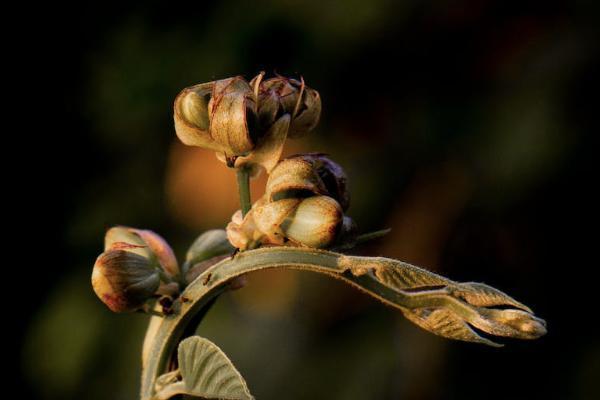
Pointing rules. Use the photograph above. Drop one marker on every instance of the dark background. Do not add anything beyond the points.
(466, 126)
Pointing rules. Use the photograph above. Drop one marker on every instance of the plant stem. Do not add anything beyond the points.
(164, 333)
(243, 181)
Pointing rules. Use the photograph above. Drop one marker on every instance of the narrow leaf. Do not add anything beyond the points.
(482, 295)
(404, 276)
(445, 323)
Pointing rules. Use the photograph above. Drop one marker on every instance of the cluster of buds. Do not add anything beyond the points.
(138, 268)
(304, 204)
(246, 123)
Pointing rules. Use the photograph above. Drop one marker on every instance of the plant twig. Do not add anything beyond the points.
(435, 303)
(243, 181)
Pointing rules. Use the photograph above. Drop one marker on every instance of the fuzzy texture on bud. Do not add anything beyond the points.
(128, 273)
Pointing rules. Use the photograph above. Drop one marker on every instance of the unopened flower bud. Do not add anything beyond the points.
(145, 243)
(124, 280)
(215, 116)
(311, 222)
(296, 99)
(308, 174)
(315, 223)
(130, 270)
(229, 117)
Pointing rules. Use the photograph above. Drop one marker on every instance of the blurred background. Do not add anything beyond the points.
(465, 126)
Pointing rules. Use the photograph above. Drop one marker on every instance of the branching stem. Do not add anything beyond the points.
(243, 182)
(165, 333)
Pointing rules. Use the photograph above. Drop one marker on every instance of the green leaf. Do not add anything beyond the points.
(204, 371)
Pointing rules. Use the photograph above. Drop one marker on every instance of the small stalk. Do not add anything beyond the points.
(243, 181)
(366, 237)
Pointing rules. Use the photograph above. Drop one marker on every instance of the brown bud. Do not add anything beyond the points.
(315, 223)
(217, 115)
(294, 98)
(311, 222)
(304, 175)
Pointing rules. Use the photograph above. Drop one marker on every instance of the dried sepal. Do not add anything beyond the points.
(294, 98)
(269, 219)
(291, 177)
(269, 149)
(307, 114)
(242, 232)
(232, 111)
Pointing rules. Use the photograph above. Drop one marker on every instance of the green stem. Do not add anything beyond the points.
(164, 333)
(243, 181)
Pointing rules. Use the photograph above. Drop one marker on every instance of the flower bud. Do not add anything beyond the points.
(230, 117)
(308, 174)
(217, 115)
(144, 243)
(312, 222)
(192, 120)
(315, 223)
(232, 111)
(124, 280)
(130, 270)
(296, 99)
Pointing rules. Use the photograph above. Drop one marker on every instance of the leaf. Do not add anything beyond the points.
(205, 372)
(400, 275)
(445, 323)
(482, 295)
